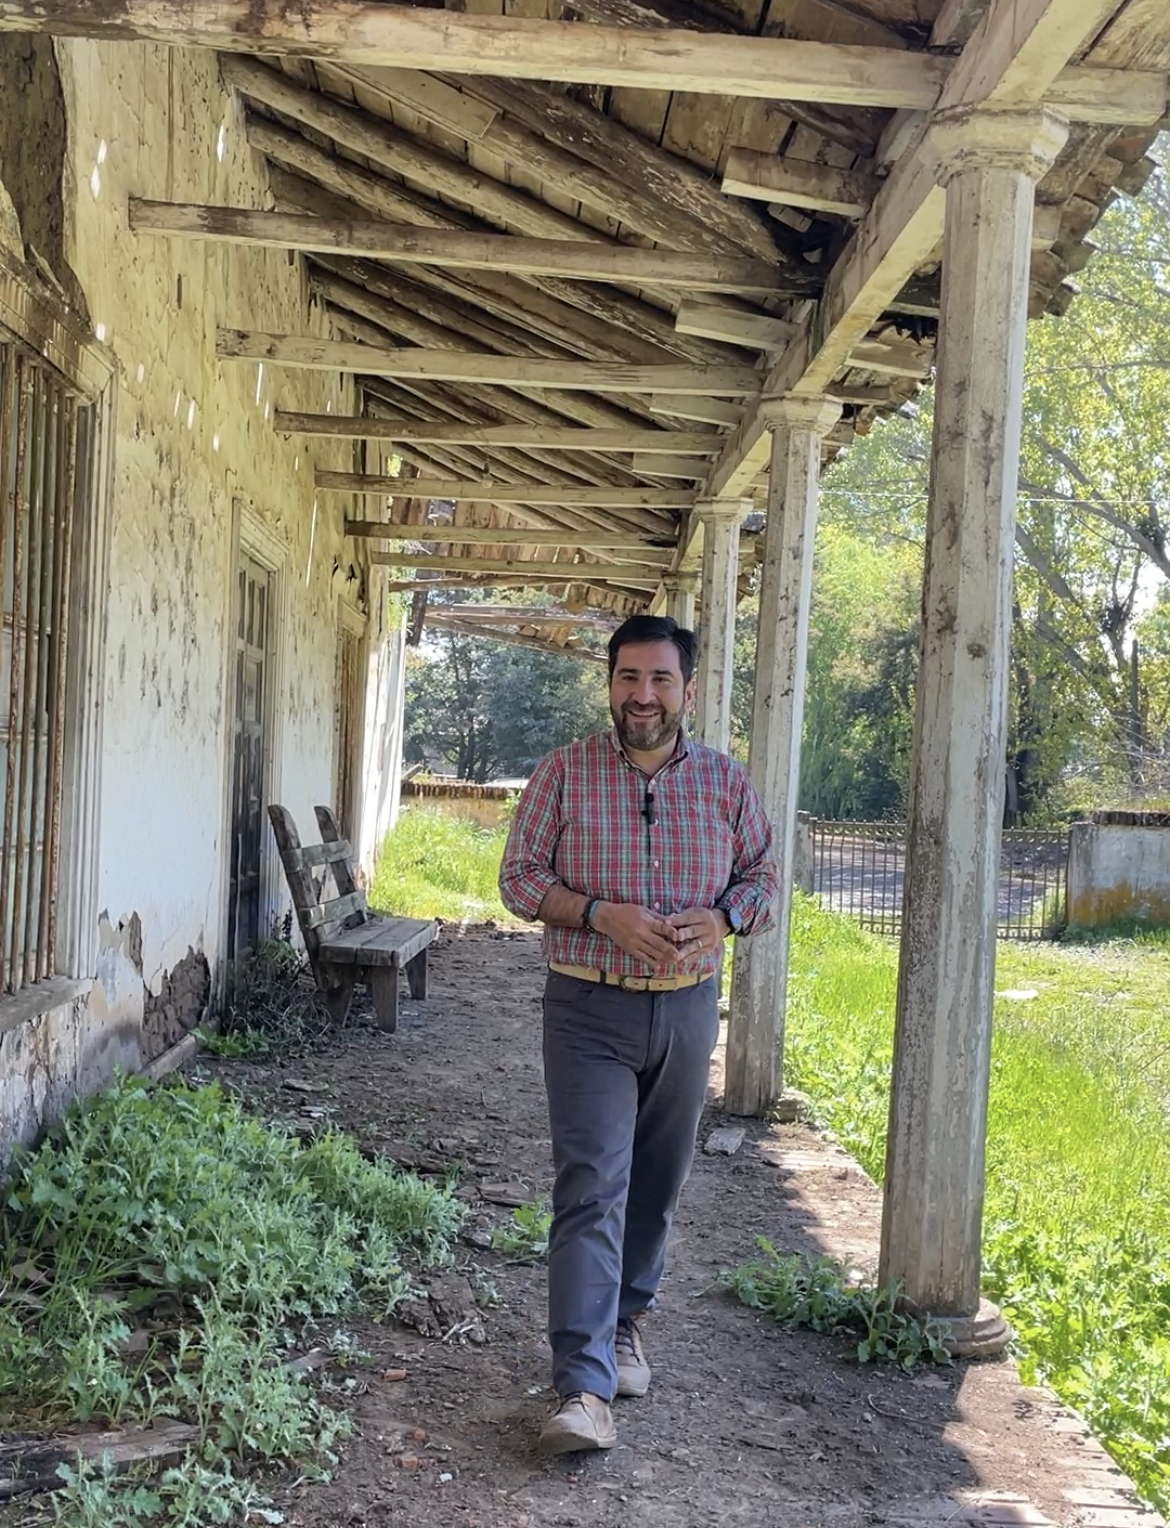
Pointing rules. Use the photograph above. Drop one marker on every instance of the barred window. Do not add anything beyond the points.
(46, 446)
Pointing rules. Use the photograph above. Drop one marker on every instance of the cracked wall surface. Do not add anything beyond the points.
(195, 456)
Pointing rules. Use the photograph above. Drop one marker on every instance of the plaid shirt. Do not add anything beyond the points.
(583, 822)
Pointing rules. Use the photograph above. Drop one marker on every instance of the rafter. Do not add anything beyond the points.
(507, 371)
(491, 492)
(473, 251)
(548, 438)
(631, 574)
(486, 535)
(757, 331)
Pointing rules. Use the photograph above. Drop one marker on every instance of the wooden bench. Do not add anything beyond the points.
(346, 942)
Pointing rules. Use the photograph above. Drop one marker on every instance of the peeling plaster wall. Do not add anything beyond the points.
(194, 444)
(1117, 871)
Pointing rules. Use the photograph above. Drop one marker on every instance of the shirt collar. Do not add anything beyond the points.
(682, 748)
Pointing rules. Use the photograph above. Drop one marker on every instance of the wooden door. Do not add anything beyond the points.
(249, 756)
(350, 710)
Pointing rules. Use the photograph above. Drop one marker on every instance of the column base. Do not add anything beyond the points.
(984, 1335)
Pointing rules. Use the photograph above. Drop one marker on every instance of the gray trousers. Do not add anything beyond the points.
(626, 1074)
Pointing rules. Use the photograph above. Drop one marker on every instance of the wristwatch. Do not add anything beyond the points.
(733, 915)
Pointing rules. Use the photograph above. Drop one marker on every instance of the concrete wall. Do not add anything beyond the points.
(197, 469)
(1118, 870)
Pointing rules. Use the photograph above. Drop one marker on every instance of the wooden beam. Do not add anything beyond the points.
(487, 492)
(545, 437)
(633, 574)
(486, 535)
(866, 397)
(770, 177)
(758, 331)
(472, 251)
(505, 371)
(765, 68)
(698, 409)
(1021, 46)
(769, 68)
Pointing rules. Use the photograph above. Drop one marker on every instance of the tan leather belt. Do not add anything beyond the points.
(630, 983)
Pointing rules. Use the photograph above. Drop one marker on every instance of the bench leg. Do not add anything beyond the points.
(383, 984)
(416, 974)
(337, 997)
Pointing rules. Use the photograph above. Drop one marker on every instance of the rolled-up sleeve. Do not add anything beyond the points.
(752, 889)
(526, 872)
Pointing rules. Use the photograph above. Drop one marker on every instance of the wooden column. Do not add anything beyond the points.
(721, 520)
(755, 1034)
(680, 597)
(932, 1219)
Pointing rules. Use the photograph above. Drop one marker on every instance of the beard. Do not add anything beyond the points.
(648, 732)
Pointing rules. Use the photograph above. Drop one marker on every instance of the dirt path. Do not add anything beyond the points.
(745, 1424)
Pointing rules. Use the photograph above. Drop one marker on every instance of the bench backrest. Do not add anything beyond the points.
(318, 914)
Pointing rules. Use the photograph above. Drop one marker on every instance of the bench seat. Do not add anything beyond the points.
(345, 941)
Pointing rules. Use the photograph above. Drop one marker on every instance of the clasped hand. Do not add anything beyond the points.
(663, 940)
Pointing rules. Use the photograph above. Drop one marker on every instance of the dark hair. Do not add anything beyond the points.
(655, 628)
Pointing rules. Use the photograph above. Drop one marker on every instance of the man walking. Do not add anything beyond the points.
(640, 851)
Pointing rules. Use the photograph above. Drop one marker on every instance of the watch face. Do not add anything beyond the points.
(734, 921)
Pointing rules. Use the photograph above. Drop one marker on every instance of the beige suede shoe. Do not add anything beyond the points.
(581, 1421)
(633, 1372)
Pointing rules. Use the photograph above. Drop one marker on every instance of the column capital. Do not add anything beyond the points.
(799, 411)
(682, 581)
(723, 509)
(966, 138)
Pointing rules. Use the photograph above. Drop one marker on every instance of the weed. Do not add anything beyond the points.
(1077, 1214)
(526, 1238)
(153, 1251)
(273, 1003)
(817, 1295)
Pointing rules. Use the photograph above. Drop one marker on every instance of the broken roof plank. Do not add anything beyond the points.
(771, 177)
(501, 370)
(631, 573)
(483, 251)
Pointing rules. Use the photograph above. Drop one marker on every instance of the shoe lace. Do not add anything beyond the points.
(626, 1337)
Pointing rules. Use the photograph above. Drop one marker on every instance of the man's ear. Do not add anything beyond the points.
(689, 693)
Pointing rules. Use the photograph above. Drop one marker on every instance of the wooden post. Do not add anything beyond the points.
(755, 1034)
(680, 597)
(720, 519)
(932, 1220)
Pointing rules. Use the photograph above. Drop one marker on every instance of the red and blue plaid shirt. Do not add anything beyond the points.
(585, 821)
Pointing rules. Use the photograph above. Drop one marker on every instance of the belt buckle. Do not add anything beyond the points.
(630, 983)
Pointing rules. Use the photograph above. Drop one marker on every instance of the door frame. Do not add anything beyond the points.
(251, 538)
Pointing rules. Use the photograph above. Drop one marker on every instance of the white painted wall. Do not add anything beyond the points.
(195, 460)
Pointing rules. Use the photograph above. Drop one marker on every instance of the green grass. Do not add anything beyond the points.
(436, 865)
(1077, 1218)
(160, 1253)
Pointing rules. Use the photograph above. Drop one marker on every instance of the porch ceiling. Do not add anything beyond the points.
(563, 301)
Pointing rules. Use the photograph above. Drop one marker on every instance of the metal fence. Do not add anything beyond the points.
(857, 868)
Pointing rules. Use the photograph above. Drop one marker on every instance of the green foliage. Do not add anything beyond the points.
(436, 865)
(818, 1295)
(1077, 1214)
(154, 1249)
(488, 709)
(526, 1239)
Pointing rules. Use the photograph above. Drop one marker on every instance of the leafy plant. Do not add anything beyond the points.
(816, 1294)
(154, 1251)
(526, 1238)
(273, 1004)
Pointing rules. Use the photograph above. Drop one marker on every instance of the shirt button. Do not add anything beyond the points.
(656, 864)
